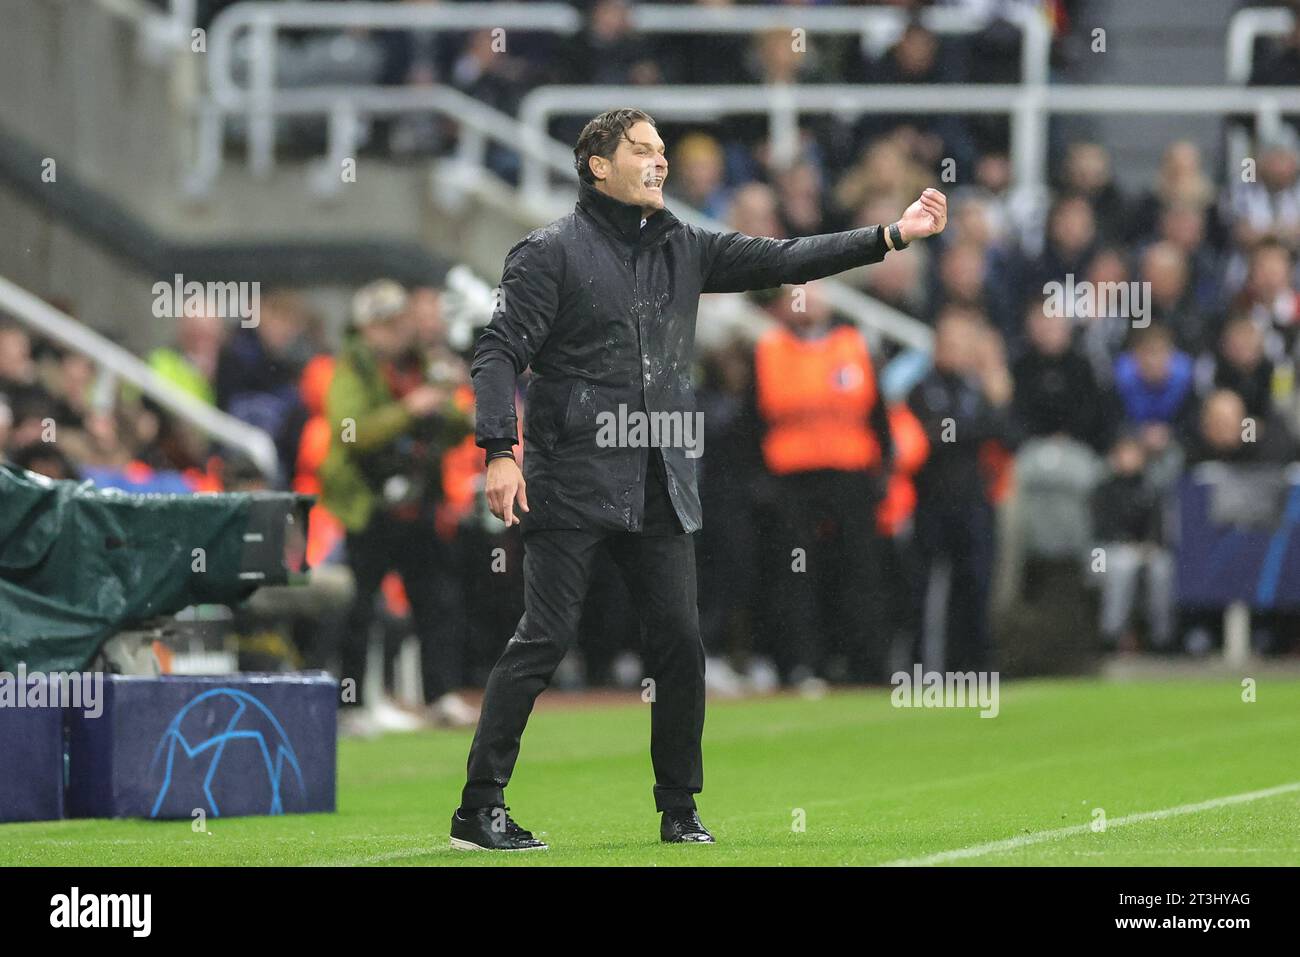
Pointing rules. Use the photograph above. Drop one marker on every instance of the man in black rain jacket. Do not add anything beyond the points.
(601, 305)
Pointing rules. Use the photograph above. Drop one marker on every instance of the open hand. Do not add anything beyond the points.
(504, 487)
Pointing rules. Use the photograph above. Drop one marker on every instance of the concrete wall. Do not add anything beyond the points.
(79, 93)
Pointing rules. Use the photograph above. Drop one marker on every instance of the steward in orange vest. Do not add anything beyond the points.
(818, 401)
(825, 438)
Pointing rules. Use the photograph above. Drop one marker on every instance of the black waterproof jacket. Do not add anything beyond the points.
(603, 311)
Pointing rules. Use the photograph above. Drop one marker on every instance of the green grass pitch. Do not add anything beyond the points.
(870, 783)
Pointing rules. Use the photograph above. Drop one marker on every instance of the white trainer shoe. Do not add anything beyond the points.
(389, 717)
(453, 711)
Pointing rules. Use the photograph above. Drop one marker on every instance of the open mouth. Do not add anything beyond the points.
(654, 182)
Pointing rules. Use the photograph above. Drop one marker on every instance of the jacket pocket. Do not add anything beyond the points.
(583, 410)
(574, 413)
(547, 412)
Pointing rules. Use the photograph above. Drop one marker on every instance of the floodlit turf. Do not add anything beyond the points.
(874, 784)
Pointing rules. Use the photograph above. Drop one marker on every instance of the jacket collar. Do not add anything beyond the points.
(623, 219)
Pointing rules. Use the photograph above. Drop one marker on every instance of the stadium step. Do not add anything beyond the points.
(1165, 42)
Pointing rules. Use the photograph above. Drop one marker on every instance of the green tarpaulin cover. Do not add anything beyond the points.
(79, 563)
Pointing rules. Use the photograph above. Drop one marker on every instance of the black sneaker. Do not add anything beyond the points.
(490, 829)
(682, 826)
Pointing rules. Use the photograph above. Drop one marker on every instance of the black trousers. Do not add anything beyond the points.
(832, 605)
(964, 533)
(429, 573)
(658, 566)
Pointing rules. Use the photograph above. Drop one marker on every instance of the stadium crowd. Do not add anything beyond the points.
(1078, 421)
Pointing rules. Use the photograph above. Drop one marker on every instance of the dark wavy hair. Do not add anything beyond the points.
(601, 135)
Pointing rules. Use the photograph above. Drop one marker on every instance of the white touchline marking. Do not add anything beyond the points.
(419, 850)
(1038, 837)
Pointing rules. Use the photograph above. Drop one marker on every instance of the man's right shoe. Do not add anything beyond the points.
(682, 826)
(490, 829)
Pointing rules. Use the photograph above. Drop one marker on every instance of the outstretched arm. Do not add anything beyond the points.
(734, 262)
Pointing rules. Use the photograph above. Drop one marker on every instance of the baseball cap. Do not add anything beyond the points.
(378, 301)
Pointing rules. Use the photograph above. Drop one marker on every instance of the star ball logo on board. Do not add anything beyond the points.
(77, 910)
(213, 725)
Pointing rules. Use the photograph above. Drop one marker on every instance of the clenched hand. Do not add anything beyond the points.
(926, 217)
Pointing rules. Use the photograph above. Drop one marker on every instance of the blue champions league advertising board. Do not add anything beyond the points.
(1239, 537)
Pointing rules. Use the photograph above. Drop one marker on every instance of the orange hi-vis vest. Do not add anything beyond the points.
(324, 531)
(911, 449)
(814, 396)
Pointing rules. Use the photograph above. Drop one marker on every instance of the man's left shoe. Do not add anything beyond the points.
(682, 826)
(490, 829)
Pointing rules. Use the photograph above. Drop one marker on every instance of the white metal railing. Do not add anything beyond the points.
(263, 21)
(161, 32)
(481, 124)
(879, 27)
(1027, 106)
(1244, 27)
(784, 103)
(121, 364)
(345, 107)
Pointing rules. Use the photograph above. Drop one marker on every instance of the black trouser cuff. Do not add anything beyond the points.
(674, 800)
(473, 798)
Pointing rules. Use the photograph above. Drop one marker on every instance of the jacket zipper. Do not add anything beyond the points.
(640, 348)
